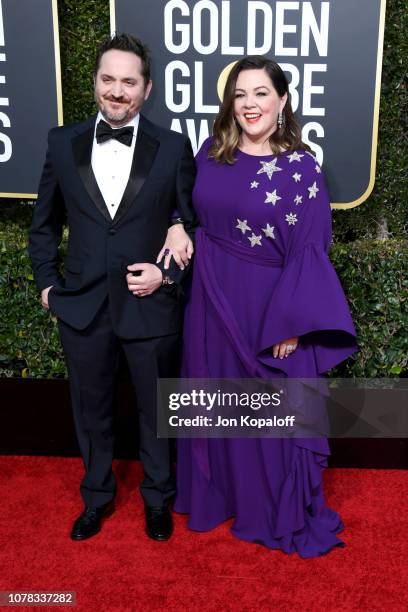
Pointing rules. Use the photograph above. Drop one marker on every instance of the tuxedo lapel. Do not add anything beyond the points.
(146, 147)
(82, 149)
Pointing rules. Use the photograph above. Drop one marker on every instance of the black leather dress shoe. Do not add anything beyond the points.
(89, 523)
(159, 523)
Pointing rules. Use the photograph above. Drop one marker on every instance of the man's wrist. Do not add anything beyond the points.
(176, 221)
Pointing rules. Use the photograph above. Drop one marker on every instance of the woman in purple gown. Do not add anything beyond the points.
(265, 302)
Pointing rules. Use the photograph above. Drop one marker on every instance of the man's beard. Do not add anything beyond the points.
(116, 119)
(120, 118)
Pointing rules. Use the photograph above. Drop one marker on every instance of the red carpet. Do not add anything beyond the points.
(121, 569)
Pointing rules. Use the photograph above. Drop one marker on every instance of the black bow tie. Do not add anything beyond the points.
(104, 132)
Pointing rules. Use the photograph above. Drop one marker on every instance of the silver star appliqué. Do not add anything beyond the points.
(243, 226)
(297, 177)
(318, 169)
(272, 198)
(255, 240)
(295, 156)
(291, 219)
(254, 185)
(298, 199)
(313, 190)
(269, 168)
(268, 231)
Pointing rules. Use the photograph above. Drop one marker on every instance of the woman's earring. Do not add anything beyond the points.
(280, 120)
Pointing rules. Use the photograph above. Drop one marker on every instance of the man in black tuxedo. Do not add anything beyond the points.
(116, 179)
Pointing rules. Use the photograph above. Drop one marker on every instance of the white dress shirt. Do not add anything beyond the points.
(111, 163)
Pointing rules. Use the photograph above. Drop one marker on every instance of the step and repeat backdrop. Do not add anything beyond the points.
(331, 52)
(30, 91)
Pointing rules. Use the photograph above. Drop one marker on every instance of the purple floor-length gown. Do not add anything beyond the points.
(262, 275)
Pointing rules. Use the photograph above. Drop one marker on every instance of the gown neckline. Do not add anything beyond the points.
(238, 150)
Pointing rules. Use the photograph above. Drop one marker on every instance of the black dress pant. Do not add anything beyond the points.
(92, 357)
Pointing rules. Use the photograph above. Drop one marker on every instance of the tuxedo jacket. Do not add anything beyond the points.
(100, 248)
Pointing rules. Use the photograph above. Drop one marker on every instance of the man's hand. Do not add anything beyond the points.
(148, 281)
(44, 297)
(178, 245)
(285, 348)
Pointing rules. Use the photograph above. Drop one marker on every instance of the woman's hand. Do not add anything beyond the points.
(285, 348)
(178, 245)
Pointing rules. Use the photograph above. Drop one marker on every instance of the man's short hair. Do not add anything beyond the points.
(131, 44)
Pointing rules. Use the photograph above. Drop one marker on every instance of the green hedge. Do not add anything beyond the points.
(374, 277)
(29, 342)
(82, 25)
(373, 274)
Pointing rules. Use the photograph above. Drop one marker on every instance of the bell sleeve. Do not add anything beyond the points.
(308, 300)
